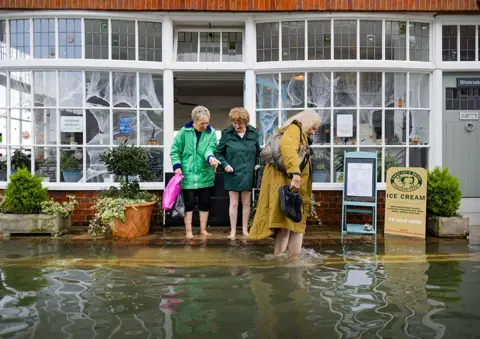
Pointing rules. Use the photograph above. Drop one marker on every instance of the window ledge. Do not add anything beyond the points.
(64, 186)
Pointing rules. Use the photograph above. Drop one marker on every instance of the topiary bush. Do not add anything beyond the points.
(126, 161)
(443, 193)
(24, 193)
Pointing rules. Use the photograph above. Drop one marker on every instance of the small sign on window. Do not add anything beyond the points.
(468, 82)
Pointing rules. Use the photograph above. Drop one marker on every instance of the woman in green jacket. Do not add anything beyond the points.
(193, 155)
(238, 151)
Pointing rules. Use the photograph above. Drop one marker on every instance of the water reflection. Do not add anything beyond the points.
(399, 290)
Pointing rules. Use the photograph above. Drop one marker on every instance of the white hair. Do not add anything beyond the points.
(200, 112)
(309, 119)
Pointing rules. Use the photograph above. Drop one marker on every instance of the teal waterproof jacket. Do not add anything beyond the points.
(191, 151)
(240, 153)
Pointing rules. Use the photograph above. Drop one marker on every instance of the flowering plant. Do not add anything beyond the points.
(63, 209)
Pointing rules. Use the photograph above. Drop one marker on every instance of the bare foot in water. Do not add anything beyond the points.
(204, 233)
(189, 235)
(231, 236)
(245, 232)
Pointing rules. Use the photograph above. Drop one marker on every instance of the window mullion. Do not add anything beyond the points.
(7, 32)
(137, 79)
(198, 46)
(109, 39)
(280, 48)
(136, 40)
(407, 136)
(333, 176)
(57, 123)
(332, 42)
(407, 41)
(221, 47)
(357, 137)
(57, 48)
(306, 45)
(358, 41)
(384, 41)
(82, 28)
(32, 47)
(110, 89)
(459, 52)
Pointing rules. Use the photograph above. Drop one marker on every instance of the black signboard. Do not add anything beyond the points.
(468, 82)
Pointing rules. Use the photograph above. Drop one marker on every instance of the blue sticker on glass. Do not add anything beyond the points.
(126, 125)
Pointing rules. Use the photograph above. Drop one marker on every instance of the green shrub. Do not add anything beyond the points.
(127, 161)
(443, 193)
(24, 194)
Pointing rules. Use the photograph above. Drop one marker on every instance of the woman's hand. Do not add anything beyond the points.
(178, 171)
(295, 184)
(229, 169)
(213, 162)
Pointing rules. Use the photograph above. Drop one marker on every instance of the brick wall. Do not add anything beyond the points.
(249, 5)
(330, 211)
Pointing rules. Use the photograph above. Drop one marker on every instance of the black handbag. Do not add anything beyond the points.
(291, 203)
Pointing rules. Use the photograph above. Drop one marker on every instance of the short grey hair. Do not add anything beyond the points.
(200, 112)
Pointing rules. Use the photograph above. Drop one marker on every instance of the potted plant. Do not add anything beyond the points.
(20, 160)
(443, 201)
(127, 210)
(70, 167)
(26, 208)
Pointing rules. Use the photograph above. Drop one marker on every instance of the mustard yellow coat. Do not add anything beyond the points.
(269, 215)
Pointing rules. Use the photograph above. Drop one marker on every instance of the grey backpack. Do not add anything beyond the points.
(270, 154)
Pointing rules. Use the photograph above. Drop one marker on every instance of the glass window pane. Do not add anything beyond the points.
(44, 38)
(3, 164)
(293, 90)
(71, 127)
(449, 43)
(187, 47)
(370, 89)
(395, 127)
(267, 123)
(467, 43)
(46, 163)
(395, 90)
(97, 89)
(323, 134)
(45, 127)
(232, 46)
(151, 90)
(293, 40)
(96, 39)
(3, 128)
(345, 39)
(20, 158)
(151, 127)
(21, 89)
(45, 86)
(150, 41)
(97, 126)
(124, 89)
(321, 165)
(418, 157)
(210, 46)
(3, 89)
(345, 127)
(319, 39)
(419, 127)
(71, 89)
(123, 40)
(395, 40)
(394, 157)
(370, 129)
(419, 41)
(20, 39)
(3, 40)
(267, 91)
(125, 127)
(69, 38)
(370, 40)
(319, 89)
(338, 164)
(96, 169)
(268, 42)
(287, 114)
(345, 90)
(155, 163)
(419, 90)
(71, 164)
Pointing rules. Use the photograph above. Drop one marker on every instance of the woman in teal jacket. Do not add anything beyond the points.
(193, 155)
(238, 152)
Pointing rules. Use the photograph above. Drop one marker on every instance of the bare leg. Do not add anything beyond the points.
(203, 223)
(233, 212)
(281, 241)
(188, 225)
(295, 244)
(246, 202)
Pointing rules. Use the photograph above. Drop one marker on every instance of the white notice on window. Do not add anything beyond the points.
(359, 179)
(345, 125)
(71, 124)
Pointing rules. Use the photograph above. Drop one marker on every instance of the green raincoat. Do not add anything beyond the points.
(191, 154)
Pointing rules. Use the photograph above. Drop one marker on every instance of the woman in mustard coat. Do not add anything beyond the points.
(269, 219)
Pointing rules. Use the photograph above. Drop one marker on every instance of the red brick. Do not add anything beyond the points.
(248, 5)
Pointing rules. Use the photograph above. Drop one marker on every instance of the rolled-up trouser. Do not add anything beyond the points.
(204, 199)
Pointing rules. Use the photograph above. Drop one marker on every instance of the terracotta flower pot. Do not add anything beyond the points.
(137, 222)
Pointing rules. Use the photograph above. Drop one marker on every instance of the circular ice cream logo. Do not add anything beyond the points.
(406, 181)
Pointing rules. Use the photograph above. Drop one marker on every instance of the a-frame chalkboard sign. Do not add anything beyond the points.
(359, 191)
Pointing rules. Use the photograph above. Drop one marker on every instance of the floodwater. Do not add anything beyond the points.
(398, 289)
